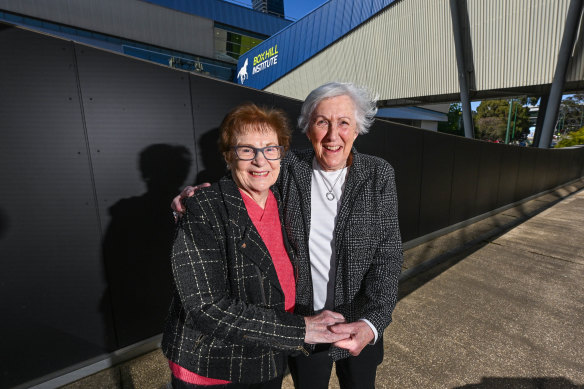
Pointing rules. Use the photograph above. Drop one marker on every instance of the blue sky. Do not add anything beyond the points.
(294, 9)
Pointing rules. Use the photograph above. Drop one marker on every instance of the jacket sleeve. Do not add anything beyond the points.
(381, 279)
(201, 280)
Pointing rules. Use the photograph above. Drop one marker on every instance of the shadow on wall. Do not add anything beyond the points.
(213, 163)
(138, 243)
(525, 383)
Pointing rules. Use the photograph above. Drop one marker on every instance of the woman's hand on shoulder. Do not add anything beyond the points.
(177, 206)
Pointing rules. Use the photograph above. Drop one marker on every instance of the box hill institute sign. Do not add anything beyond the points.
(255, 64)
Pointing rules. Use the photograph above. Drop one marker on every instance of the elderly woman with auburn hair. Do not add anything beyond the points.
(230, 321)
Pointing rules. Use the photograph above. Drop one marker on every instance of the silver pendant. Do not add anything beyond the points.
(330, 196)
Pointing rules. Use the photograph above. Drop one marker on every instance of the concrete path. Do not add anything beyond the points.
(508, 313)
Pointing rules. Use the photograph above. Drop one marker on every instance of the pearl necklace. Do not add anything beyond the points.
(330, 196)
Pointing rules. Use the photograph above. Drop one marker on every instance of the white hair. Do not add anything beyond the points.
(365, 104)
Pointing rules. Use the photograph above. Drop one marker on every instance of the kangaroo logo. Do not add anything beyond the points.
(242, 75)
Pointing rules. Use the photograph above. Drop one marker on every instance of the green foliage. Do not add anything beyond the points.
(572, 139)
(529, 100)
(490, 128)
(491, 120)
(454, 123)
(571, 115)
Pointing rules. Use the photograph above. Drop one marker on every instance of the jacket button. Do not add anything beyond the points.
(244, 245)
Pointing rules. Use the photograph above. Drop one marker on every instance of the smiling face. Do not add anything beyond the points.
(332, 131)
(255, 177)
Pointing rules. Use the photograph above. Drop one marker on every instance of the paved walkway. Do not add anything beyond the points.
(506, 313)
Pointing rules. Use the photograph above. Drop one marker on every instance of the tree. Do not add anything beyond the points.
(454, 124)
(491, 128)
(529, 100)
(496, 129)
(572, 139)
(571, 114)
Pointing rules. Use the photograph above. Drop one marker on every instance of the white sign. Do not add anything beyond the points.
(242, 74)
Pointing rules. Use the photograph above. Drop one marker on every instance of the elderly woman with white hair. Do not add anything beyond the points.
(340, 215)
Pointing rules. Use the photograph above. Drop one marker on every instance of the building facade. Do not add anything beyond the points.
(206, 37)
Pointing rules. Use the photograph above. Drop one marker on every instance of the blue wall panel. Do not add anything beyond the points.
(308, 36)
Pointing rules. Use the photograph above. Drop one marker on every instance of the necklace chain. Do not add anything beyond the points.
(329, 194)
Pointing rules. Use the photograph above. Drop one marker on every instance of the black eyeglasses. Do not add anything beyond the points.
(247, 153)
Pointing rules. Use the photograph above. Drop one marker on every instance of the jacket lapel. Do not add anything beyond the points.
(247, 238)
(356, 177)
(302, 172)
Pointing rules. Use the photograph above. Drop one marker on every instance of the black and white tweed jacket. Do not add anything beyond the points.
(227, 317)
(367, 239)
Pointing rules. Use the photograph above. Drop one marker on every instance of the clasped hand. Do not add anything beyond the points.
(330, 327)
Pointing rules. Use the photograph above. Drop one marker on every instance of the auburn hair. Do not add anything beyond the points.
(247, 118)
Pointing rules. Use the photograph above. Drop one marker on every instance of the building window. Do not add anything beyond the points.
(231, 43)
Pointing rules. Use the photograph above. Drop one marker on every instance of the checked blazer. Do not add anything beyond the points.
(367, 239)
(227, 317)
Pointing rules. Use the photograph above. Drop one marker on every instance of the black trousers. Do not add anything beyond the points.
(276, 383)
(314, 371)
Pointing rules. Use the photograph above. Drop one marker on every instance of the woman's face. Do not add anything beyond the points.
(256, 176)
(332, 131)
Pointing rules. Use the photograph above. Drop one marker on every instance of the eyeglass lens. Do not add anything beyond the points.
(249, 152)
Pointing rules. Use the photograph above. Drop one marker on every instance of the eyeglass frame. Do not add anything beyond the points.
(255, 152)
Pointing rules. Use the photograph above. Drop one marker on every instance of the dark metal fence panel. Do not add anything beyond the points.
(54, 305)
(561, 172)
(552, 172)
(541, 181)
(436, 186)
(140, 131)
(569, 166)
(552, 169)
(488, 185)
(576, 165)
(402, 147)
(465, 179)
(509, 167)
(526, 173)
(405, 148)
